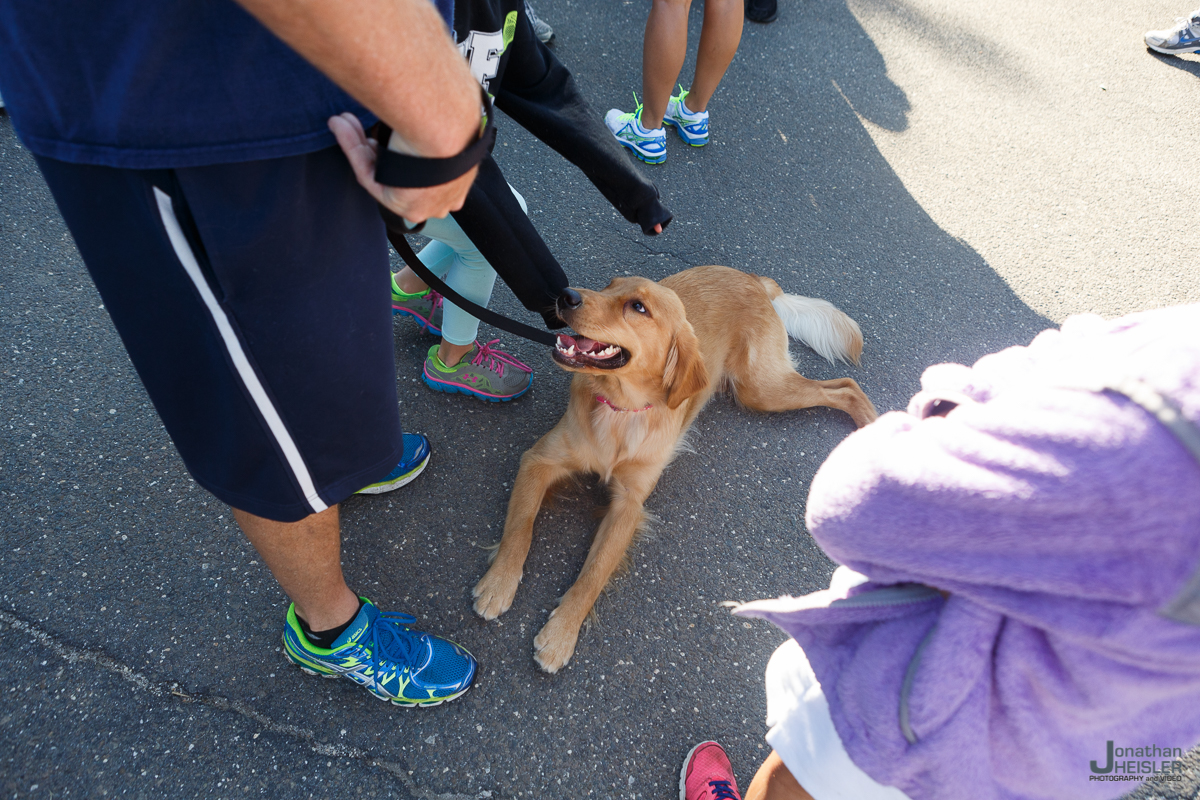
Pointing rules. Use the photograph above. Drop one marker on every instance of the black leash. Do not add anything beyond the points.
(397, 169)
(395, 233)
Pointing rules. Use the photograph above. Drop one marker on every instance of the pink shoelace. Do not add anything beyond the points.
(436, 302)
(495, 359)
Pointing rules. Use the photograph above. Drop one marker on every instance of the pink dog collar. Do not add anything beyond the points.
(602, 399)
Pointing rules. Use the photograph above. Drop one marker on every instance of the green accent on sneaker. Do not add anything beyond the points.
(683, 93)
(441, 365)
(692, 126)
(637, 115)
(400, 294)
(293, 622)
(415, 459)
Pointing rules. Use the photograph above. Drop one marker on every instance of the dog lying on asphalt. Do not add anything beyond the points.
(649, 357)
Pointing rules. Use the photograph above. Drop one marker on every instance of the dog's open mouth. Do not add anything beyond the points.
(580, 351)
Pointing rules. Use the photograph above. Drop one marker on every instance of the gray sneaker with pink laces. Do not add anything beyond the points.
(424, 307)
(485, 372)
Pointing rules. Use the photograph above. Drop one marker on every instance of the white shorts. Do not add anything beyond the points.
(802, 733)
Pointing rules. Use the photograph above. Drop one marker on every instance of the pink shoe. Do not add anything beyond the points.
(707, 774)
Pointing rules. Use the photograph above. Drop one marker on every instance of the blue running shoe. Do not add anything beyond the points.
(648, 145)
(381, 653)
(692, 127)
(1183, 38)
(416, 458)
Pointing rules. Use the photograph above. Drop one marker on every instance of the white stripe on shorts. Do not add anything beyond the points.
(183, 251)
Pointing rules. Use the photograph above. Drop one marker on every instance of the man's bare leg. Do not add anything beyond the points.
(775, 782)
(306, 558)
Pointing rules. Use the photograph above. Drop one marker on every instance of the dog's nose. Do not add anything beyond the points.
(571, 298)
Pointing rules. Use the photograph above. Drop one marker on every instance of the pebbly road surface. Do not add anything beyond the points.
(956, 178)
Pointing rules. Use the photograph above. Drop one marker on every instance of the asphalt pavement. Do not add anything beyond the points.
(955, 177)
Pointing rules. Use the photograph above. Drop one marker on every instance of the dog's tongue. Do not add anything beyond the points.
(587, 345)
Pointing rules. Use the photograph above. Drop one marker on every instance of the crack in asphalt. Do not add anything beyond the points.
(672, 254)
(167, 689)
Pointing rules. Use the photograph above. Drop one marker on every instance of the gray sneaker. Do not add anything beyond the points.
(425, 307)
(543, 31)
(484, 372)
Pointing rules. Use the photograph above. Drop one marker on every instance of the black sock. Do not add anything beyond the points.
(325, 639)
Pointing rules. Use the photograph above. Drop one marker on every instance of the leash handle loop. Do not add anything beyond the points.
(413, 172)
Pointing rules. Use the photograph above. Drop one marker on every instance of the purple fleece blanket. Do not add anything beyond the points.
(1060, 522)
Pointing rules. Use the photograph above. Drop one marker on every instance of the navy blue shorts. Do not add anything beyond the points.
(254, 302)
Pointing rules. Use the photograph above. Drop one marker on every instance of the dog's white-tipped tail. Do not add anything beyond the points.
(821, 326)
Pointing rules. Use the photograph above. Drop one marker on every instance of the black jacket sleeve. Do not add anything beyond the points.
(493, 220)
(541, 95)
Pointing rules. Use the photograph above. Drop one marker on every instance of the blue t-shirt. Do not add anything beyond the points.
(173, 83)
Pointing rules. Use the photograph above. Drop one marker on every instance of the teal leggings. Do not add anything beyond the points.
(453, 257)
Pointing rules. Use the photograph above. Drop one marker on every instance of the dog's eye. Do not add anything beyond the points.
(637, 306)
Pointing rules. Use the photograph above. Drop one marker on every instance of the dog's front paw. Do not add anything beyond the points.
(495, 592)
(554, 646)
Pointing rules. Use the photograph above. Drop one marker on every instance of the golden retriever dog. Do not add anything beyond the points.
(648, 358)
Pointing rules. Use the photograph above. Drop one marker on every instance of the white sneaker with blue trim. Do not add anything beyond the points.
(691, 126)
(648, 145)
(1183, 38)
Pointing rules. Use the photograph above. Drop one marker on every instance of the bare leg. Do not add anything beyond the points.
(775, 782)
(719, 40)
(410, 283)
(663, 51)
(451, 354)
(306, 558)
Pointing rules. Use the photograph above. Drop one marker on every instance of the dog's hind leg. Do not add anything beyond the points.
(630, 486)
(763, 379)
(792, 391)
(539, 471)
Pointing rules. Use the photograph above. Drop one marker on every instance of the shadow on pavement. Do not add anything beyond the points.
(111, 548)
(1186, 64)
(950, 42)
(853, 65)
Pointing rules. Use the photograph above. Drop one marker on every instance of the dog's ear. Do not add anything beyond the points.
(684, 374)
